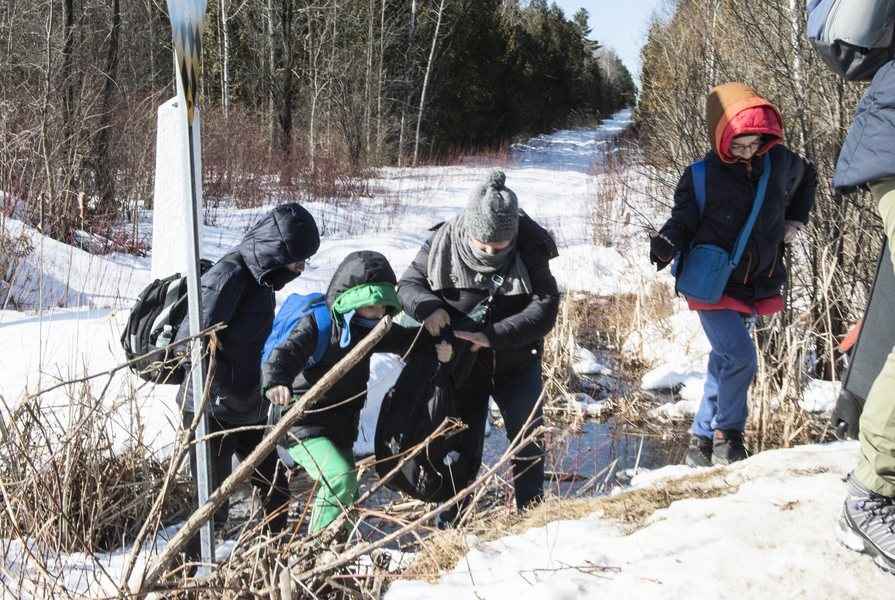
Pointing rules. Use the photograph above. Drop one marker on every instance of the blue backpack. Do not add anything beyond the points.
(294, 309)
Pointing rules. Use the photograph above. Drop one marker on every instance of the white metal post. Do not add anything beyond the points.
(187, 20)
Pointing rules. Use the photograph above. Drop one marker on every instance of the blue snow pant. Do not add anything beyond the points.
(733, 363)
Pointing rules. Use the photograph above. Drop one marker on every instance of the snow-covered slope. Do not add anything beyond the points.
(771, 537)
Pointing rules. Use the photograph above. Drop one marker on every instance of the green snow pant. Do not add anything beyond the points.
(876, 465)
(336, 476)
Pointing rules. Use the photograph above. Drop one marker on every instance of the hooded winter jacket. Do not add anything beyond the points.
(732, 110)
(239, 291)
(337, 413)
(868, 153)
(518, 323)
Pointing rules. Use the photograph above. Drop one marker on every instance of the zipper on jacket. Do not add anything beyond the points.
(748, 267)
(753, 189)
(774, 262)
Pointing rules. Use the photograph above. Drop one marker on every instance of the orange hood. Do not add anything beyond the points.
(734, 109)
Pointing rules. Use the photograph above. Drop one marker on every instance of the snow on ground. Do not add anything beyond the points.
(586, 363)
(38, 353)
(588, 406)
(772, 538)
(820, 396)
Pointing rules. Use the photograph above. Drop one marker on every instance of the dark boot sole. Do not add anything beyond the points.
(852, 538)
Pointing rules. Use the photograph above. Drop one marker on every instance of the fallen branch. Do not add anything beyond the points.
(267, 445)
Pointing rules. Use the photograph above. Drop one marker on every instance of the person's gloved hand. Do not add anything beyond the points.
(846, 416)
(661, 251)
(791, 230)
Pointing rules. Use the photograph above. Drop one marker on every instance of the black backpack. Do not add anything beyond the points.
(422, 398)
(152, 325)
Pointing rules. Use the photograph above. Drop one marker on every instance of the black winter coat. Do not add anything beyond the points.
(730, 193)
(336, 415)
(518, 324)
(239, 291)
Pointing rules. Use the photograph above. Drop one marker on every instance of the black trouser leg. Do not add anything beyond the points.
(220, 453)
(517, 395)
(472, 407)
(269, 478)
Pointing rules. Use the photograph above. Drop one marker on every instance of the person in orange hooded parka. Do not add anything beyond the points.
(743, 128)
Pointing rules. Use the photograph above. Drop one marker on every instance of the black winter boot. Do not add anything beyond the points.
(699, 453)
(727, 447)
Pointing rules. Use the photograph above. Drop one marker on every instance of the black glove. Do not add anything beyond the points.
(661, 252)
(847, 415)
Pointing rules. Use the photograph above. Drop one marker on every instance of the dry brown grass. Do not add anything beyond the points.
(619, 316)
(444, 549)
(67, 487)
(634, 507)
(440, 553)
(559, 353)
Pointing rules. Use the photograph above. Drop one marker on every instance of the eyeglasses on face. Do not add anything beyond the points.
(741, 147)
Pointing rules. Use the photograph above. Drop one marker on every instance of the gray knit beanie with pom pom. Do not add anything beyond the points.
(492, 214)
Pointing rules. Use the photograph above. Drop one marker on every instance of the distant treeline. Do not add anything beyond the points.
(292, 89)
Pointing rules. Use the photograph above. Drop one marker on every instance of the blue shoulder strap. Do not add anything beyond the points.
(324, 321)
(753, 216)
(697, 172)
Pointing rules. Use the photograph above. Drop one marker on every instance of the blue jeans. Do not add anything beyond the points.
(516, 393)
(733, 363)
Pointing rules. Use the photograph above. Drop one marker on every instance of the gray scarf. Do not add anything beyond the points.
(453, 263)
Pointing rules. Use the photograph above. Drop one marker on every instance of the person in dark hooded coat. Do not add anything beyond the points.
(361, 292)
(493, 250)
(239, 290)
(744, 129)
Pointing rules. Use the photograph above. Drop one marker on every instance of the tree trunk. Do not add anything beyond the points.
(271, 64)
(331, 75)
(287, 90)
(225, 60)
(315, 92)
(379, 82)
(103, 165)
(368, 80)
(419, 119)
(68, 87)
(411, 37)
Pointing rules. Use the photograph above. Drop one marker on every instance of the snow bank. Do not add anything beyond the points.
(820, 396)
(586, 363)
(604, 271)
(772, 538)
(587, 406)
